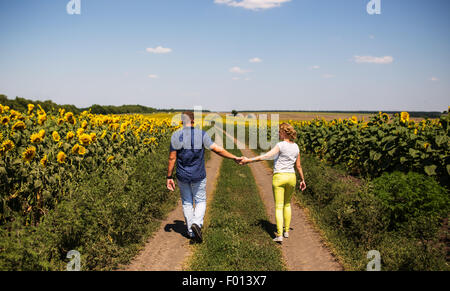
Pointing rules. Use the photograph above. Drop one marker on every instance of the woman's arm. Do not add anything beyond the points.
(263, 157)
(298, 165)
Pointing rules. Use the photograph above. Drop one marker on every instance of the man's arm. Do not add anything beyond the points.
(223, 152)
(172, 159)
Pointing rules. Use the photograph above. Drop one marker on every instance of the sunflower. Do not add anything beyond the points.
(110, 159)
(70, 135)
(30, 108)
(85, 139)
(42, 118)
(56, 136)
(41, 111)
(5, 120)
(15, 115)
(29, 154)
(84, 124)
(404, 116)
(123, 127)
(36, 138)
(354, 119)
(8, 145)
(78, 150)
(19, 125)
(81, 150)
(80, 131)
(70, 118)
(103, 134)
(61, 157)
(426, 145)
(93, 136)
(44, 161)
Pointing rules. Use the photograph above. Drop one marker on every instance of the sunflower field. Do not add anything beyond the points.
(381, 144)
(47, 157)
(380, 184)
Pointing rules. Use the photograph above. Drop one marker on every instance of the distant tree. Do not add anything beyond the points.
(234, 112)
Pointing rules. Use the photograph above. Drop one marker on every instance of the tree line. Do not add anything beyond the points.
(21, 104)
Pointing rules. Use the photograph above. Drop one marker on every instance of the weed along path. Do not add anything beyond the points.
(304, 250)
(168, 249)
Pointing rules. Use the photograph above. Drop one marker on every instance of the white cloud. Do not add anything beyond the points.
(238, 70)
(374, 60)
(434, 79)
(159, 50)
(315, 67)
(153, 76)
(255, 60)
(328, 76)
(252, 4)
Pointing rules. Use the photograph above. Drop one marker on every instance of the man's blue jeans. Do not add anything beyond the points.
(190, 193)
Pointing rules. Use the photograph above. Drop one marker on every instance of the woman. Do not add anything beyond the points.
(286, 154)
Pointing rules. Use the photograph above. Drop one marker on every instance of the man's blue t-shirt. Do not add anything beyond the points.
(190, 144)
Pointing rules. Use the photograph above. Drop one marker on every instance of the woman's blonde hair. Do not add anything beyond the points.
(289, 131)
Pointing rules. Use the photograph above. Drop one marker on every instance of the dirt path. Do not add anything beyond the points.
(169, 247)
(304, 250)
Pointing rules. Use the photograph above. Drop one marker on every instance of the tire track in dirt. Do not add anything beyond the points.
(304, 250)
(168, 248)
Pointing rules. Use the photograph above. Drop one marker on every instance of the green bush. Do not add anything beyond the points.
(398, 214)
(358, 216)
(411, 197)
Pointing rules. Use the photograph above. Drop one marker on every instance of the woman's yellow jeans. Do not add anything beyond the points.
(283, 185)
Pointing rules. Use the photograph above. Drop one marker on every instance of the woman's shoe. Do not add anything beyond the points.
(278, 239)
(286, 234)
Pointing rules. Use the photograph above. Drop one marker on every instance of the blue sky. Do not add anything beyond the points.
(296, 55)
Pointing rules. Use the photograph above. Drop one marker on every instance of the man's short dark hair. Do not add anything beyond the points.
(188, 117)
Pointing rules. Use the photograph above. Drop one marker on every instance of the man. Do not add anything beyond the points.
(187, 149)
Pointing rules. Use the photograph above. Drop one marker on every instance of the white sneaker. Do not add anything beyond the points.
(278, 239)
(286, 234)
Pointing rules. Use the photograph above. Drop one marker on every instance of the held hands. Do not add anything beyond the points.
(245, 161)
(238, 160)
(242, 160)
